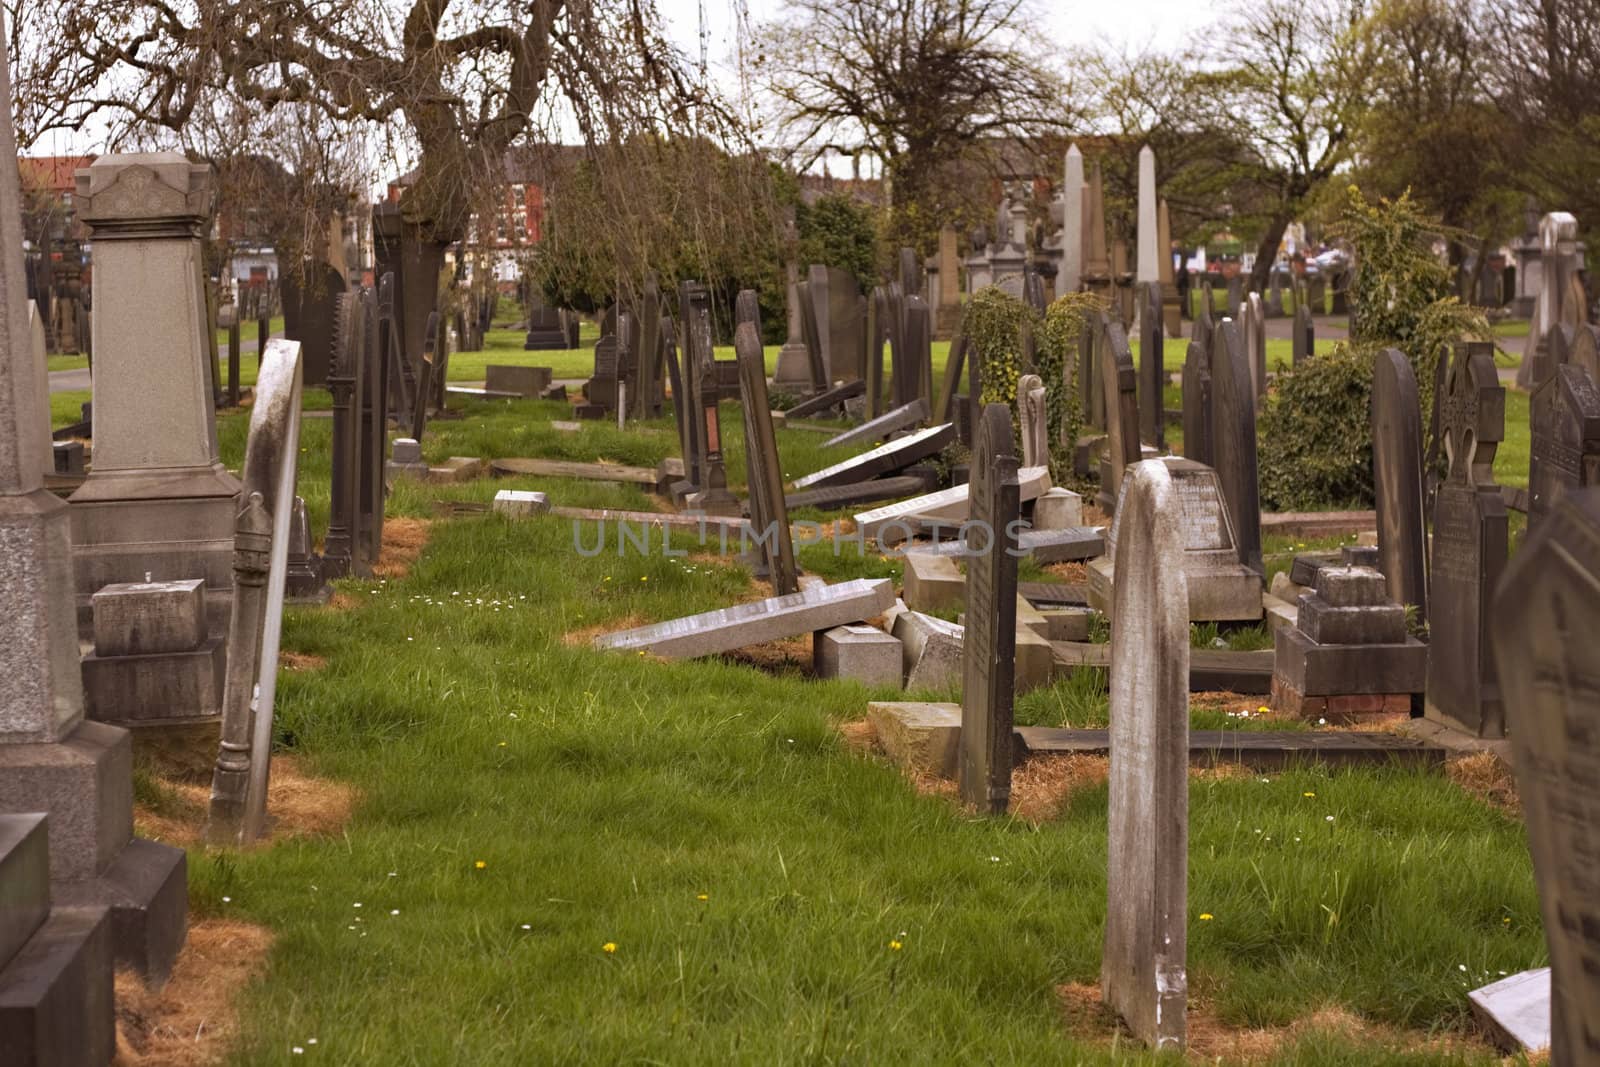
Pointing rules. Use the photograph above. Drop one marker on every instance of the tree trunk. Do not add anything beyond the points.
(1267, 250)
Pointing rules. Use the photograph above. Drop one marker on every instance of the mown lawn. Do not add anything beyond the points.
(527, 801)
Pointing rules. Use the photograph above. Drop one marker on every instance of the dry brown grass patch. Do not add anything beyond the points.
(1076, 573)
(1043, 786)
(789, 653)
(584, 636)
(298, 804)
(1487, 777)
(860, 735)
(301, 661)
(193, 1020)
(1211, 1040)
(403, 542)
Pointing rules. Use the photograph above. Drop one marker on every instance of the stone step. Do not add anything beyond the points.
(24, 880)
(1256, 749)
(56, 1000)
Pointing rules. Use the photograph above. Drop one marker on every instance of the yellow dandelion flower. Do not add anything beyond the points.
(704, 896)
(1262, 710)
(644, 577)
(609, 948)
(502, 744)
(480, 864)
(1308, 794)
(1206, 916)
(895, 946)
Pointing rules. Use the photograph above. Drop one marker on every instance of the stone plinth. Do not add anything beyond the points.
(862, 654)
(152, 658)
(924, 738)
(158, 500)
(526, 382)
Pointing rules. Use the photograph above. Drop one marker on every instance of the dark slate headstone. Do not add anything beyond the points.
(845, 312)
(1303, 337)
(918, 336)
(1152, 368)
(1197, 404)
(955, 365)
(876, 328)
(828, 398)
(811, 327)
(1564, 415)
(645, 396)
(681, 412)
(1397, 479)
(879, 429)
(990, 646)
(346, 381)
(691, 295)
(1143, 966)
(1547, 612)
(1235, 296)
(1469, 548)
(712, 495)
(1119, 386)
(308, 315)
(1233, 438)
(764, 473)
(372, 489)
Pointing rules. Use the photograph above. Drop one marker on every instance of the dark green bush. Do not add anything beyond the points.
(1316, 435)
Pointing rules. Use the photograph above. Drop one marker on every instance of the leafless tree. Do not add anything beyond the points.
(917, 86)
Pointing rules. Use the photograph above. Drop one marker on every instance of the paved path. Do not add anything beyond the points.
(69, 381)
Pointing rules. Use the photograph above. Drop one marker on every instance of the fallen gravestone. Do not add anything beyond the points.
(819, 607)
(764, 474)
(950, 505)
(884, 426)
(885, 459)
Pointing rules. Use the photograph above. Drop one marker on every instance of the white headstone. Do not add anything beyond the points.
(1071, 273)
(1149, 265)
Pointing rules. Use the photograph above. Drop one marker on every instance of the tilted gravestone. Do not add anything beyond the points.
(1547, 612)
(1564, 415)
(1197, 404)
(989, 649)
(897, 455)
(1397, 479)
(1152, 367)
(712, 496)
(645, 395)
(1143, 970)
(917, 334)
(876, 329)
(811, 330)
(1255, 326)
(763, 471)
(690, 295)
(1032, 419)
(346, 381)
(1233, 438)
(681, 408)
(1119, 384)
(1469, 548)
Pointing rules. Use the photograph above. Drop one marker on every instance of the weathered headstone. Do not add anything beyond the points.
(371, 485)
(1469, 548)
(1143, 970)
(1397, 479)
(260, 567)
(1233, 438)
(1197, 404)
(346, 376)
(1303, 335)
(1152, 366)
(1564, 416)
(763, 471)
(989, 652)
(1119, 386)
(1148, 265)
(1545, 620)
(1253, 325)
(1033, 421)
(885, 459)
(712, 495)
(884, 426)
(1070, 277)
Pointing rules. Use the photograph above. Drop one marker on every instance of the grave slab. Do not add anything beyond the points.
(520, 503)
(885, 459)
(727, 629)
(884, 426)
(1516, 1010)
(952, 505)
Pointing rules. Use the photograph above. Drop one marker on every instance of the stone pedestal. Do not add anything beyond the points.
(152, 658)
(158, 501)
(862, 654)
(1348, 656)
(405, 459)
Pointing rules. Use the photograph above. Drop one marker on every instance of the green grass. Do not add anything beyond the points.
(606, 793)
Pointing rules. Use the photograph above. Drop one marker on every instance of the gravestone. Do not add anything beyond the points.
(1220, 587)
(157, 499)
(1303, 336)
(1070, 277)
(372, 487)
(1119, 384)
(917, 332)
(818, 607)
(1197, 403)
(1143, 970)
(1031, 417)
(645, 395)
(1254, 328)
(681, 408)
(894, 456)
(309, 290)
(52, 760)
(877, 324)
(1397, 480)
(989, 648)
(1233, 438)
(260, 568)
(1545, 619)
(1564, 416)
(764, 472)
(346, 381)
(712, 496)
(1469, 548)
(811, 334)
(884, 426)
(1348, 653)
(1152, 368)
(1235, 306)
(228, 318)
(692, 297)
